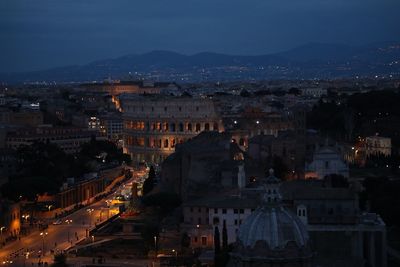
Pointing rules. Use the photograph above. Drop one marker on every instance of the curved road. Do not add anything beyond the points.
(57, 237)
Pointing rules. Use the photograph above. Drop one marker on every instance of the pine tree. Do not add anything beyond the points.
(224, 236)
(217, 244)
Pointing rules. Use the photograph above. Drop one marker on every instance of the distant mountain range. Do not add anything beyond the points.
(314, 60)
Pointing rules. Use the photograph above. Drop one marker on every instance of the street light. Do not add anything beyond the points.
(68, 221)
(43, 235)
(176, 256)
(25, 217)
(1, 230)
(90, 215)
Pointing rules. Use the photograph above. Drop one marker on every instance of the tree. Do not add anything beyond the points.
(224, 237)
(217, 244)
(148, 184)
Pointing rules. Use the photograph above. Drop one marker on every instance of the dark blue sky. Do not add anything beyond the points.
(41, 34)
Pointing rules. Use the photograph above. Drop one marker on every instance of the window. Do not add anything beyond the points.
(173, 142)
(199, 209)
(191, 209)
(199, 220)
(326, 164)
(235, 211)
(181, 127)
(198, 128)
(206, 127)
(241, 142)
(195, 239)
(180, 108)
(236, 222)
(204, 241)
(241, 211)
(215, 210)
(166, 143)
(189, 127)
(223, 211)
(165, 108)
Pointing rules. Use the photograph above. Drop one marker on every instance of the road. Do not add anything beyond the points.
(74, 227)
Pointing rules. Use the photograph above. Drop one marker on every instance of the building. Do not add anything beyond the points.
(111, 125)
(8, 164)
(315, 92)
(10, 223)
(200, 216)
(155, 124)
(341, 234)
(378, 145)
(253, 121)
(338, 232)
(287, 145)
(207, 163)
(22, 117)
(326, 161)
(133, 87)
(272, 235)
(69, 139)
(80, 192)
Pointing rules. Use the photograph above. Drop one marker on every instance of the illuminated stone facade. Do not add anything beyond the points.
(155, 124)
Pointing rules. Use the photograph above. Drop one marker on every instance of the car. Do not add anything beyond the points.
(57, 222)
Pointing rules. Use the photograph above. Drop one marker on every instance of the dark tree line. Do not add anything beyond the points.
(43, 167)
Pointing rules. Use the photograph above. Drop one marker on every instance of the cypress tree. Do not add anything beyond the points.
(217, 244)
(224, 236)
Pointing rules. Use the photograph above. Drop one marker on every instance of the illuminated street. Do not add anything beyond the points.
(55, 238)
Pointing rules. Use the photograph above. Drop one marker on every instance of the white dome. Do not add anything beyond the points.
(275, 225)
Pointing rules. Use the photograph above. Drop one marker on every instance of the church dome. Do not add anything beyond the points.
(275, 225)
(272, 234)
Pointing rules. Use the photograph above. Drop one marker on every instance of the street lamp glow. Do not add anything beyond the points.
(43, 235)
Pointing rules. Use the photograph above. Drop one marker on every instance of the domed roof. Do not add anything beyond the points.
(272, 222)
(274, 225)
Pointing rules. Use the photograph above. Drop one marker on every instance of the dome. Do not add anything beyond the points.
(272, 235)
(275, 225)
